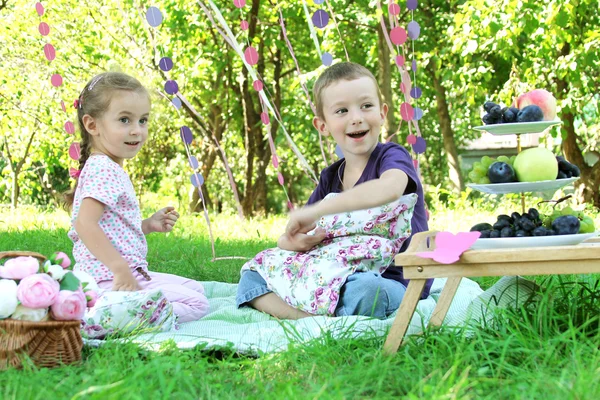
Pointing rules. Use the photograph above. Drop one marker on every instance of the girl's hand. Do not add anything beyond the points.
(161, 221)
(125, 282)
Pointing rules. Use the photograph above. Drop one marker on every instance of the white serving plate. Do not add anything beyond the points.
(518, 127)
(519, 187)
(531, 241)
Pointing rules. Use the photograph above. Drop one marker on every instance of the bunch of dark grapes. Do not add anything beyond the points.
(498, 115)
(566, 169)
(514, 225)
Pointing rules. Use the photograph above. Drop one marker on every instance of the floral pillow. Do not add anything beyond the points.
(120, 313)
(357, 241)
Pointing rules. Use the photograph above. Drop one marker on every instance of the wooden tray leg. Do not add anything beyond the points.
(405, 313)
(443, 304)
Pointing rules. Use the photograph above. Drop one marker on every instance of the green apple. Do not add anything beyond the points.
(535, 164)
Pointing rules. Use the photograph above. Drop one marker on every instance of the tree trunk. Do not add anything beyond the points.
(456, 179)
(385, 82)
(16, 189)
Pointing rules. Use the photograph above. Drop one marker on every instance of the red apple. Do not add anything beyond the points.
(541, 98)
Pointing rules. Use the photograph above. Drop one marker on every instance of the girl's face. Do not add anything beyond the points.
(122, 130)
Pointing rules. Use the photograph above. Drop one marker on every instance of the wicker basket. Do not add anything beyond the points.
(47, 344)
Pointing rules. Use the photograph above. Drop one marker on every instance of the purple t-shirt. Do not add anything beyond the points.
(385, 156)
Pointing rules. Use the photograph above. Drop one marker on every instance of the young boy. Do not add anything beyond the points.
(349, 108)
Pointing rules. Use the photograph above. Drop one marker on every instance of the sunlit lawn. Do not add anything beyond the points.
(546, 351)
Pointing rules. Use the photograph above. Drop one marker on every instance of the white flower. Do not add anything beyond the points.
(57, 272)
(46, 265)
(30, 314)
(8, 297)
(87, 278)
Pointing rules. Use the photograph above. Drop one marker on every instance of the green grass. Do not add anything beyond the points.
(546, 350)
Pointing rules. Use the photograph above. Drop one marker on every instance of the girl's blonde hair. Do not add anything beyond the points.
(94, 100)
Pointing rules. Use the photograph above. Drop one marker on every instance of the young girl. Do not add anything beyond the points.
(350, 109)
(106, 226)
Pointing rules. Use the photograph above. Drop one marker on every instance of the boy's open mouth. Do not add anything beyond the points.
(132, 143)
(357, 135)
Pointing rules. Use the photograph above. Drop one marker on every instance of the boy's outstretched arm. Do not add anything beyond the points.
(389, 187)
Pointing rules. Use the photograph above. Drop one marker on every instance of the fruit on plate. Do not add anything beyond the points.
(536, 164)
(531, 113)
(566, 169)
(586, 223)
(501, 172)
(541, 98)
(480, 171)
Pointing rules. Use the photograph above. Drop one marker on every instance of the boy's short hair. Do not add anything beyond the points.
(347, 71)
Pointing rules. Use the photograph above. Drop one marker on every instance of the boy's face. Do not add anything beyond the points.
(353, 115)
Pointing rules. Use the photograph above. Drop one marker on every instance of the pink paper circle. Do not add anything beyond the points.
(414, 30)
(394, 9)
(76, 103)
(280, 178)
(244, 25)
(44, 28)
(39, 8)
(264, 117)
(407, 112)
(416, 165)
(56, 80)
(398, 36)
(69, 127)
(62, 105)
(239, 3)
(49, 52)
(275, 161)
(403, 88)
(400, 60)
(258, 85)
(411, 139)
(75, 151)
(251, 55)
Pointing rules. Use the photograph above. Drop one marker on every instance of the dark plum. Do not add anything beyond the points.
(501, 172)
(484, 226)
(566, 225)
(531, 113)
(495, 233)
(488, 105)
(507, 232)
(501, 224)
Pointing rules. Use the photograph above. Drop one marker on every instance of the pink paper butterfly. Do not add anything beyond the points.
(449, 247)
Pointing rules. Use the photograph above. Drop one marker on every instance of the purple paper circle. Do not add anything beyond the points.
(414, 30)
(165, 64)
(171, 87)
(49, 52)
(420, 146)
(39, 8)
(320, 19)
(411, 4)
(327, 59)
(193, 162)
(416, 92)
(176, 101)
(44, 29)
(339, 152)
(414, 65)
(56, 80)
(418, 113)
(186, 134)
(317, 2)
(197, 179)
(154, 17)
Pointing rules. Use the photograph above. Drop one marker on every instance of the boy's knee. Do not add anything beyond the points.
(367, 294)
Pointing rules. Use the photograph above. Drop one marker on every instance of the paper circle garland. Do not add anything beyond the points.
(44, 29)
(75, 151)
(394, 9)
(400, 60)
(418, 113)
(244, 25)
(257, 85)
(171, 87)
(176, 102)
(420, 146)
(39, 8)
(56, 80)
(411, 139)
(239, 3)
(193, 162)
(411, 4)
(49, 52)
(398, 36)
(414, 30)
(320, 19)
(69, 127)
(251, 55)
(327, 59)
(197, 179)
(165, 64)
(186, 134)
(416, 92)
(154, 17)
(407, 112)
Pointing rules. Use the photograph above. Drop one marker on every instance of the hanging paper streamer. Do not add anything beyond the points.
(216, 14)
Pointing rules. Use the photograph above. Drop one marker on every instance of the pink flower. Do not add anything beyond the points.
(69, 306)
(91, 296)
(60, 258)
(38, 291)
(19, 268)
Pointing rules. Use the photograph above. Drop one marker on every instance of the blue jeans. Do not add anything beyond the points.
(364, 293)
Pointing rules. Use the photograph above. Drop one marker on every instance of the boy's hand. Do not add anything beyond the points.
(161, 221)
(301, 221)
(301, 241)
(125, 281)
